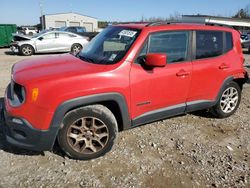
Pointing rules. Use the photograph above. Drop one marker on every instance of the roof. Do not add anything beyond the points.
(154, 26)
(69, 13)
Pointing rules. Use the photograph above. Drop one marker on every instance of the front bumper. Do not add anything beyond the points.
(18, 132)
(14, 48)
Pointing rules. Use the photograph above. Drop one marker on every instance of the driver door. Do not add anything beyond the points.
(157, 92)
(46, 42)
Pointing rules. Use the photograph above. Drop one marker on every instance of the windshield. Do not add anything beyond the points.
(39, 34)
(110, 46)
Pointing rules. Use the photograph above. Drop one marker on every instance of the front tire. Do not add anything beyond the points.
(88, 132)
(228, 102)
(26, 50)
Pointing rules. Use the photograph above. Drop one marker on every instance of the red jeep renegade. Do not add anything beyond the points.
(128, 75)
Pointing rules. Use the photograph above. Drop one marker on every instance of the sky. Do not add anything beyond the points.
(27, 12)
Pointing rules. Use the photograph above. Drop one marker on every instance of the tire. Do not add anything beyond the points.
(88, 132)
(26, 50)
(229, 101)
(76, 48)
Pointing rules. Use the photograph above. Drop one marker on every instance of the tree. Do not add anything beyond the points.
(243, 13)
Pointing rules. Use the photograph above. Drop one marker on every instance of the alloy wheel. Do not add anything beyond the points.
(87, 135)
(27, 50)
(229, 100)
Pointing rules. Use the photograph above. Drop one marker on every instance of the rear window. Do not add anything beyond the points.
(209, 44)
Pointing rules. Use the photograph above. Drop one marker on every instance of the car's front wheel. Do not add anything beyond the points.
(228, 102)
(88, 132)
(26, 50)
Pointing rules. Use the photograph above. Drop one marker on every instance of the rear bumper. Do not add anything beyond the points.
(18, 132)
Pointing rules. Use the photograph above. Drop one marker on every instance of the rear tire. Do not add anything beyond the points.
(26, 50)
(228, 102)
(88, 132)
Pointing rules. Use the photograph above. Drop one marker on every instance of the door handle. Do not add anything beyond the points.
(182, 73)
(223, 66)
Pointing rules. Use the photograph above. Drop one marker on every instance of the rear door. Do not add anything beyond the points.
(210, 65)
(64, 41)
(162, 88)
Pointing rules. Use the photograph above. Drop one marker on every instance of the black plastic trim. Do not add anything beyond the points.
(23, 134)
(159, 114)
(199, 105)
(66, 106)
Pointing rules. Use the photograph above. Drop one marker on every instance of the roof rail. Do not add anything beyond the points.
(162, 23)
(185, 22)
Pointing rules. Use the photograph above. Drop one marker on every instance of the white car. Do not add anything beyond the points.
(30, 31)
(48, 42)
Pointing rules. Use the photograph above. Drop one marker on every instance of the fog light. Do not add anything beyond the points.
(16, 120)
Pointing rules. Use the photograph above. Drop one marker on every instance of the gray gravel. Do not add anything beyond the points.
(192, 150)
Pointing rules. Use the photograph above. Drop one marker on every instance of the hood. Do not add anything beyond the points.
(20, 37)
(52, 67)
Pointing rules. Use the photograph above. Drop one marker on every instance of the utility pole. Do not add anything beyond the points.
(41, 10)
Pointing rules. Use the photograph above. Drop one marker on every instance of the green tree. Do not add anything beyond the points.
(243, 13)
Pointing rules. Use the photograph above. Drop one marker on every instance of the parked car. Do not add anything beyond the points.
(46, 42)
(129, 75)
(80, 31)
(245, 41)
(30, 30)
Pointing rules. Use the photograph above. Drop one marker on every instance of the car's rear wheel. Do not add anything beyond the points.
(88, 132)
(76, 48)
(26, 50)
(229, 101)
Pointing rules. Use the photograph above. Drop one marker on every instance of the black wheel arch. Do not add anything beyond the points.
(115, 102)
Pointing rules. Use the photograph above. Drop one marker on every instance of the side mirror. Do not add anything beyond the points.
(40, 38)
(156, 60)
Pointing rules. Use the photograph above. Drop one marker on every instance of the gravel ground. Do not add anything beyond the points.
(192, 150)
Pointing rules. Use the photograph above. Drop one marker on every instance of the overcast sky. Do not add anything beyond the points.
(27, 12)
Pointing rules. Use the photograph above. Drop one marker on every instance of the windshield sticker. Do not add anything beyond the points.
(112, 57)
(127, 33)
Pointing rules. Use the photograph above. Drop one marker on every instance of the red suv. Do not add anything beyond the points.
(128, 75)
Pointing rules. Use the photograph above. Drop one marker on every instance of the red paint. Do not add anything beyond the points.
(64, 77)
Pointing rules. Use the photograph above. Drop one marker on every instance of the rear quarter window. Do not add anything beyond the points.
(229, 41)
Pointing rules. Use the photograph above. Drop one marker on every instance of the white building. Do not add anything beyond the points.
(234, 22)
(69, 19)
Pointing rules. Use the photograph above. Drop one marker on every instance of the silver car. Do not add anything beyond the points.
(48, 42)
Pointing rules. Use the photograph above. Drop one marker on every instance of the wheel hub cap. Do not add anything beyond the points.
(87, 135)
(229, 100)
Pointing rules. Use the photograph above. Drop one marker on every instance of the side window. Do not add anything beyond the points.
(209, 44)
(64, 35)
(71, 29)
(49, 36)
(81, 29)
(174, 44)
(229, 41)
